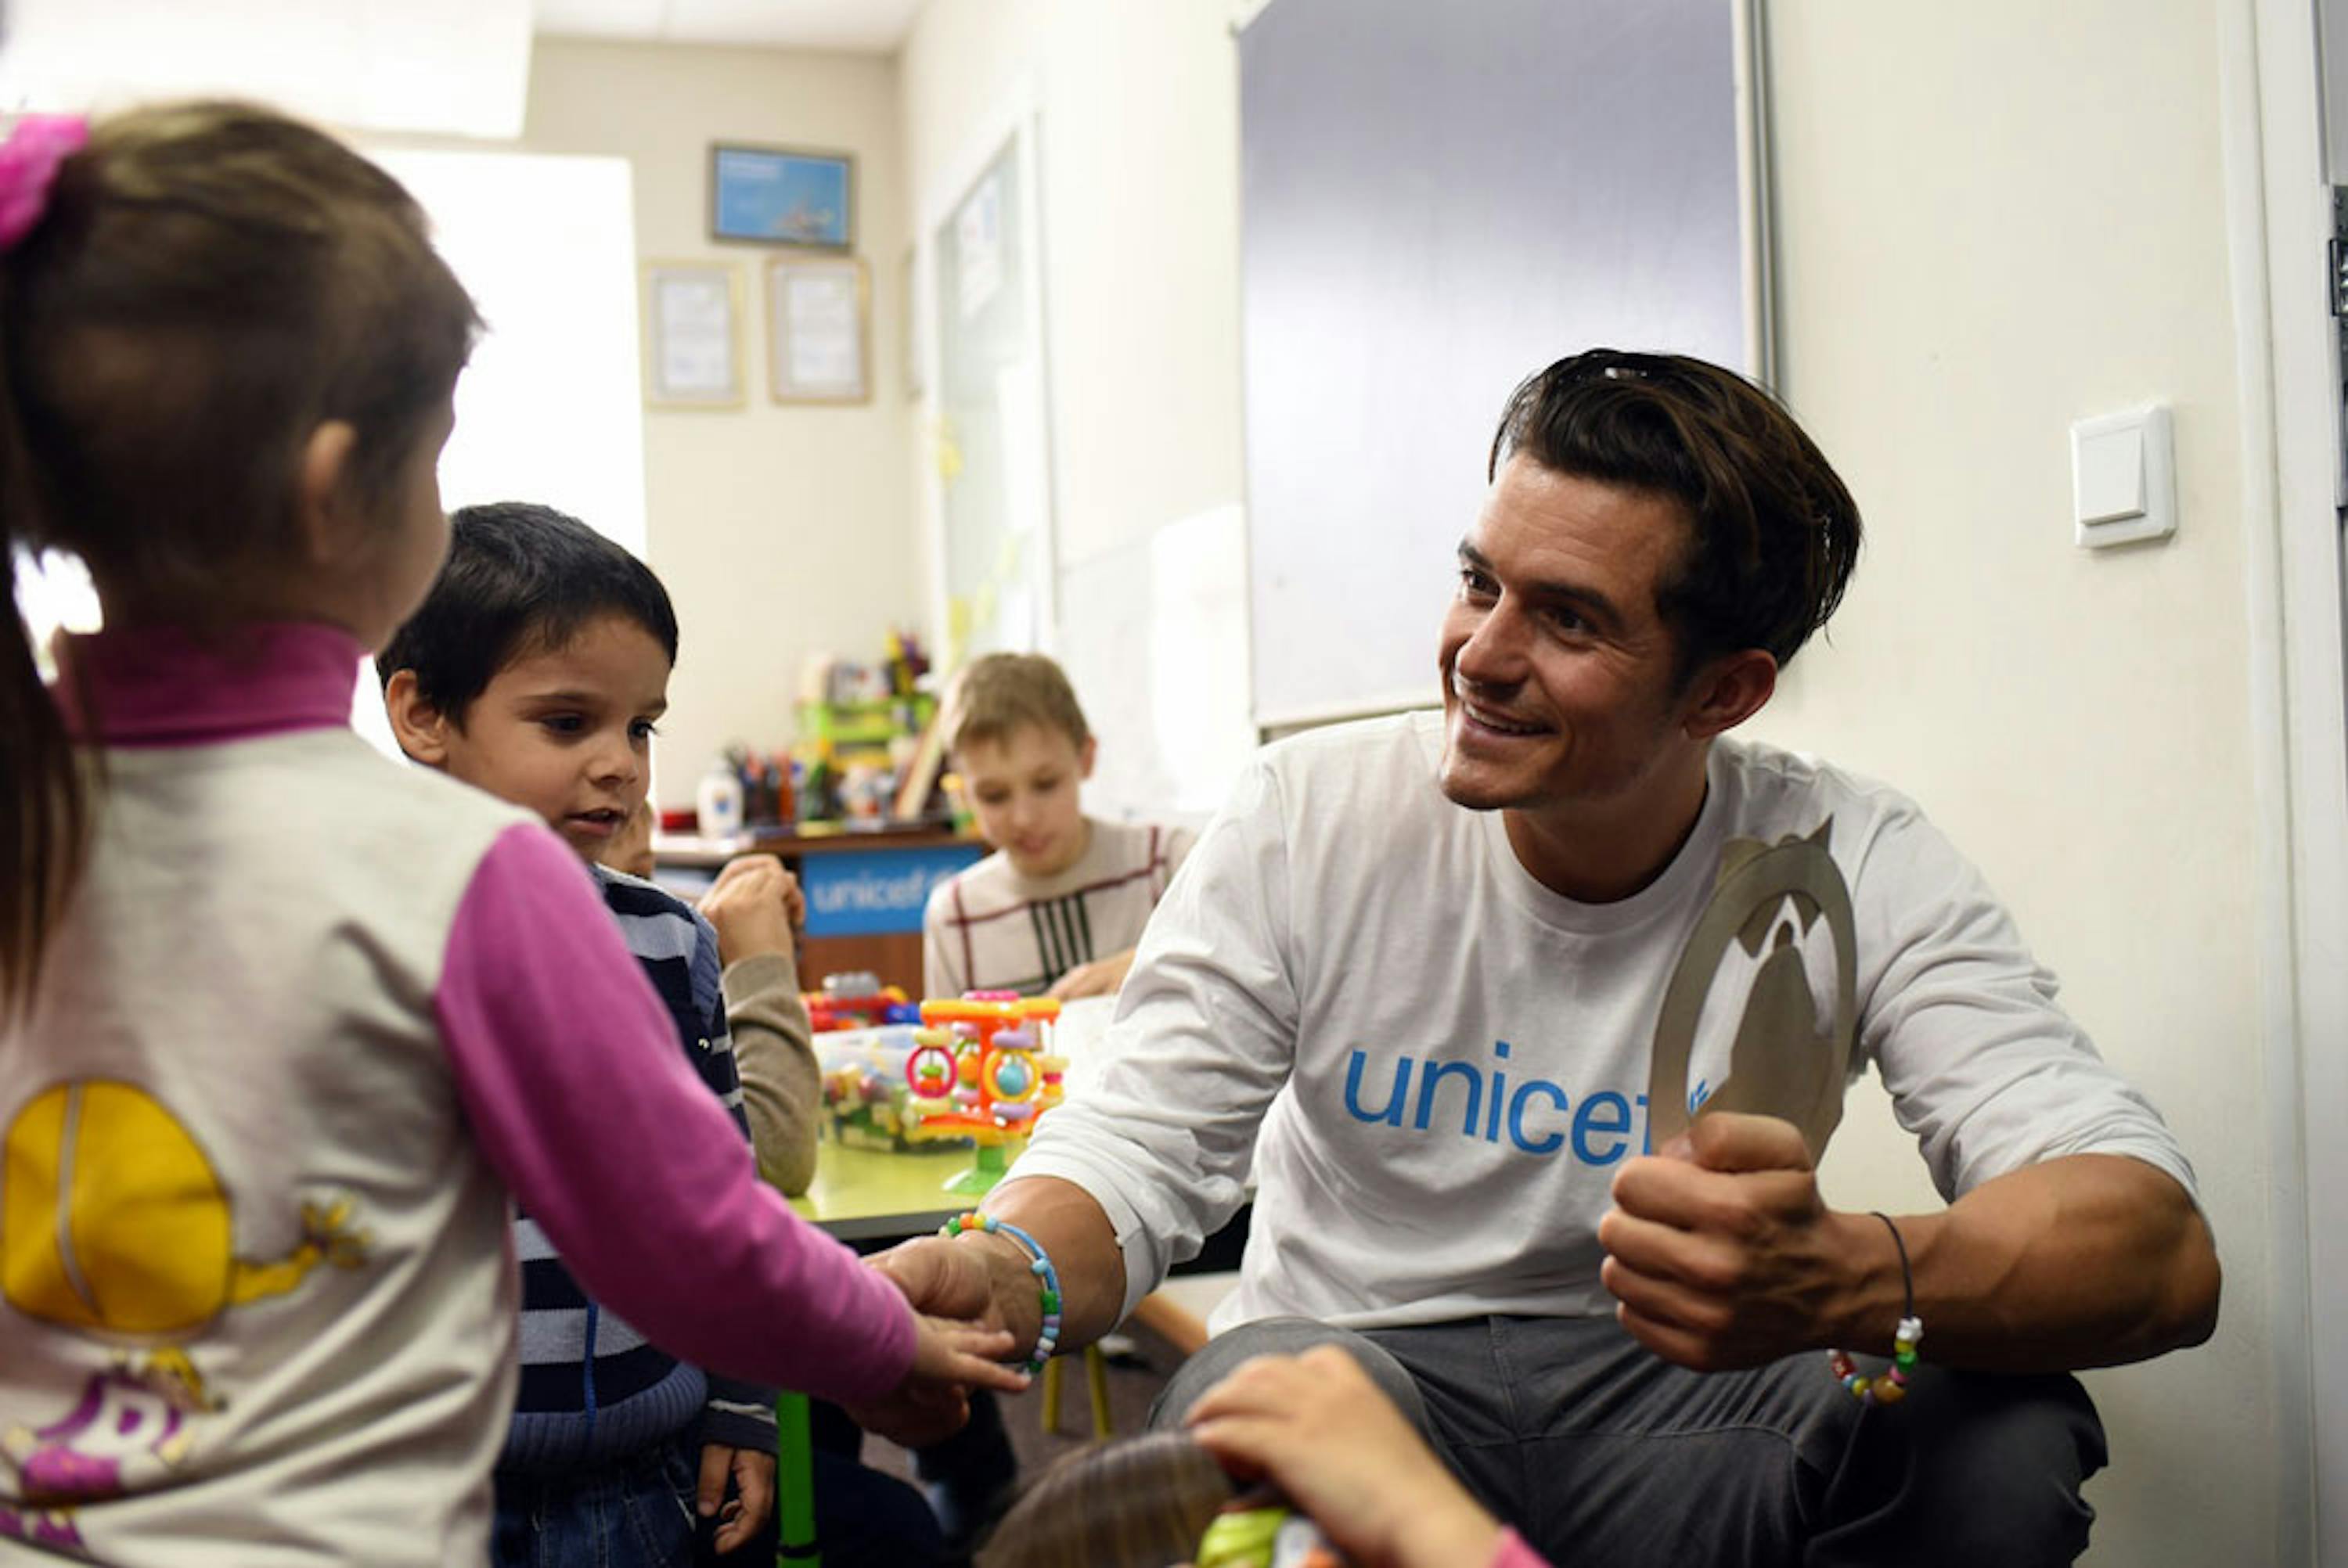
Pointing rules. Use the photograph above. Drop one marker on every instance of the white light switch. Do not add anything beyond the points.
(2111, 475)
(2123, 477)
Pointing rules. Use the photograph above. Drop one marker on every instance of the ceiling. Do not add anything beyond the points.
(459, 66)
(863, 27)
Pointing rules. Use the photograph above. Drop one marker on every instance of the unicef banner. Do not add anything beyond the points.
(875, 891)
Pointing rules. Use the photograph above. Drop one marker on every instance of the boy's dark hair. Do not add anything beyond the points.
(520, 579)
(1773, 532)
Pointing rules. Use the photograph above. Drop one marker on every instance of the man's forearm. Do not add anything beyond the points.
(1071, 1226)
(2088, 1261)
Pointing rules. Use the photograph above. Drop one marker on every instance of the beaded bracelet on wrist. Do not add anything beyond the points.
(1048, 1278)
(1889, 1385)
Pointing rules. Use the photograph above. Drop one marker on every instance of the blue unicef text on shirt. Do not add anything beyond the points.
(1537, 1116)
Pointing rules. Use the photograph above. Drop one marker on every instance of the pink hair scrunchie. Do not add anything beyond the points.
(36, 144)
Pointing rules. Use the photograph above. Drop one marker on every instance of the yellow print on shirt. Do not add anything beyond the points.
(112, 1220)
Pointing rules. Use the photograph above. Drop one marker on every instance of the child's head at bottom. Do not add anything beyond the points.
(536, 668)
(1141, 1503)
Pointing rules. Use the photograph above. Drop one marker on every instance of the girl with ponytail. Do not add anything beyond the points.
(286, 1027)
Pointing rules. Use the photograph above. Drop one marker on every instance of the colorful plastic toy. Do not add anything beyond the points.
(980, 1069)
(857, 1001)
(1265, 1532)
(864, 1083)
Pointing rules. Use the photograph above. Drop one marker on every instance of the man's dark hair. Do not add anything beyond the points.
(1773, 533)
(520, 579)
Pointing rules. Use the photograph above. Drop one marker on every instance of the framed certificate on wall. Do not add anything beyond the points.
(693, 334)
(818, 329)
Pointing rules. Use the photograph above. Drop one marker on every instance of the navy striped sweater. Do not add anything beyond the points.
(576, 1407)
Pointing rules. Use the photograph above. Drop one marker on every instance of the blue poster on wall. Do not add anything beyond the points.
(878, 891)
(782, 197)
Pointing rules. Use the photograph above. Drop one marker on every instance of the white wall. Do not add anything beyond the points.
(779, 530)
(1138, 115)
(1992, 219)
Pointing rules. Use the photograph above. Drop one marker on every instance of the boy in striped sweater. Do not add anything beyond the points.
(536, 670)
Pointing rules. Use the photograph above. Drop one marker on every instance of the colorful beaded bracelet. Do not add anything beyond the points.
(1889, 1385)
(1048, 1278)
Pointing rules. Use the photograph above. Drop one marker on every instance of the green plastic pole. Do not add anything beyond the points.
(795, 1486)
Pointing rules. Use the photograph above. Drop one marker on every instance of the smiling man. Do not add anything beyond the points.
(1425, 969)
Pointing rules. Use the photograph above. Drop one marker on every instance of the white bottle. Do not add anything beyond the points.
(718, 806)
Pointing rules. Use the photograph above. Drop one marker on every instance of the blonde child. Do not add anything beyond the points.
(1057, 908)
(631, 851)
(282, 1025)
(1061, 903)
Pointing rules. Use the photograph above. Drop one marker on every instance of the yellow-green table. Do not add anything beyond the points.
(866, 1196)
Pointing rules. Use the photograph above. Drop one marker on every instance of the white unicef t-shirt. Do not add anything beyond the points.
(1437, 1063)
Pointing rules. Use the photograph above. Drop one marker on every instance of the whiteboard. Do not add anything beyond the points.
(1436, 202)
(994, 461)
(1156, 643)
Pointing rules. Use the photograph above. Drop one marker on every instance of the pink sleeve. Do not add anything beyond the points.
(1515, 1553)
(568, 1065)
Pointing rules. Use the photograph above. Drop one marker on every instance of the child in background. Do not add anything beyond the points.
(535, 670)
(1315, 1428)
(631, 849)
(1057, 910)
(758, 910)
(282, 1024)
(1059, 906)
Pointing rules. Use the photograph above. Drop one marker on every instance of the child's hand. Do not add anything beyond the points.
(1101, 978)
(951, 1350)
(950, 1358)
(795, 904)
(753, 1474)
(756, 905)
(1322, 1432)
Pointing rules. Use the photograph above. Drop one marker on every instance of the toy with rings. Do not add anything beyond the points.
(980, 1070)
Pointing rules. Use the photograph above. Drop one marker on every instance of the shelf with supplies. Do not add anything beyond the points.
(874, 723)
(868, 746)
(687, 851)
(855, 759)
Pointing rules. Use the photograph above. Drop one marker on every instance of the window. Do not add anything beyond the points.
(549, 408)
